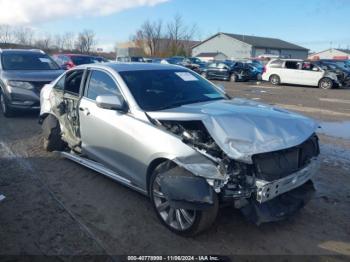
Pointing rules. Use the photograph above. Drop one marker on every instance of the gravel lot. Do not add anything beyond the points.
(56, 207)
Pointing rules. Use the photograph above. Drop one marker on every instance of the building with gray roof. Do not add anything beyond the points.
(236, 46)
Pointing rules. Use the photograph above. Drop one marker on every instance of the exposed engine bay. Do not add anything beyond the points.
(241, 178)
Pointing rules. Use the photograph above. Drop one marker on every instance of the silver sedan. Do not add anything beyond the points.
(170, 134)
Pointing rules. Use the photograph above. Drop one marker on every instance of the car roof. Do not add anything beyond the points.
(124, 67)
(22, 51)
(76, 55)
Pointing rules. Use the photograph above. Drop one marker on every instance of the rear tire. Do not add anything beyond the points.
(326, 83)
(275, 80)
(5, 108)
(196, 222)
(52, 140)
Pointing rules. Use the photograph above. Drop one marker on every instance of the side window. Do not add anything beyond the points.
(212, 65)
(276, 64)
(292, 65)
(73, 81)
(101, 84)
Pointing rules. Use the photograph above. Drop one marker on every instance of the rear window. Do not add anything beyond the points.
(27, 61)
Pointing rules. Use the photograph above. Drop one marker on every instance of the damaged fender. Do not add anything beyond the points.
(185, 191)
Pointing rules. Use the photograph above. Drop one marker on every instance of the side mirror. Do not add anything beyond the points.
(111, 102)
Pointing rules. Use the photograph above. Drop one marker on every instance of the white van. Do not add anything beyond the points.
(299, 72)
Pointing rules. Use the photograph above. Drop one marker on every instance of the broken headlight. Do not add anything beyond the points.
(241, 182)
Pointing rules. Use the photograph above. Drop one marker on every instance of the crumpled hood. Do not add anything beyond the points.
(243, 128)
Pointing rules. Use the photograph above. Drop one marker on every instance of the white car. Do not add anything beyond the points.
(299, 72)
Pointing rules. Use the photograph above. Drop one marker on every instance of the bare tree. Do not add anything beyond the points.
(44, 42)
(24, 36)
(6, 34)
(68, 41)
(150, 36)
(85, 41)
(57, 42)
(178, 34)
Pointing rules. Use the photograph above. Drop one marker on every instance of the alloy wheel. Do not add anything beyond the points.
(275, 80)
(326, 84)
(178, 219)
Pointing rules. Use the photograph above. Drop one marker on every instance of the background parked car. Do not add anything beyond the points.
(131, 59)
(332, 65)
(345, 64)
(343, 73)
(175, 60)
(299, 72)
(101, 59)
(68, 61)
(255, 71)
(22, 75)
(226, 70)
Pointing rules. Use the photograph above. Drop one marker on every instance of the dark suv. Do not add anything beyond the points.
(22, 75)
(226, 70)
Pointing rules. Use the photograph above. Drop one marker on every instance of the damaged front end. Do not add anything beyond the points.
(271, 187)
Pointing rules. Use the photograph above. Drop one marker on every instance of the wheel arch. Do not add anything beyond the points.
(43, 116)
(274, 74)
(151, 167)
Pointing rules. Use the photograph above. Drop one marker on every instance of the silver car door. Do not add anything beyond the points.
(106, 134)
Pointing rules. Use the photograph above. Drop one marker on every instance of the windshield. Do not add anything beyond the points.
(27, 61)
(83, 60)
(163, 89)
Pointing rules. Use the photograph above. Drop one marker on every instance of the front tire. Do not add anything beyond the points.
(275, 80)
(326, 83)
(5, 108)
(52, 140)
(183, 222)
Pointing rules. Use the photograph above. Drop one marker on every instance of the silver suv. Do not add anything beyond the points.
(22, 75)
(170, 134)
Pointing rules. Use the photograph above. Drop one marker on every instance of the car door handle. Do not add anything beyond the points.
(85, 110)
